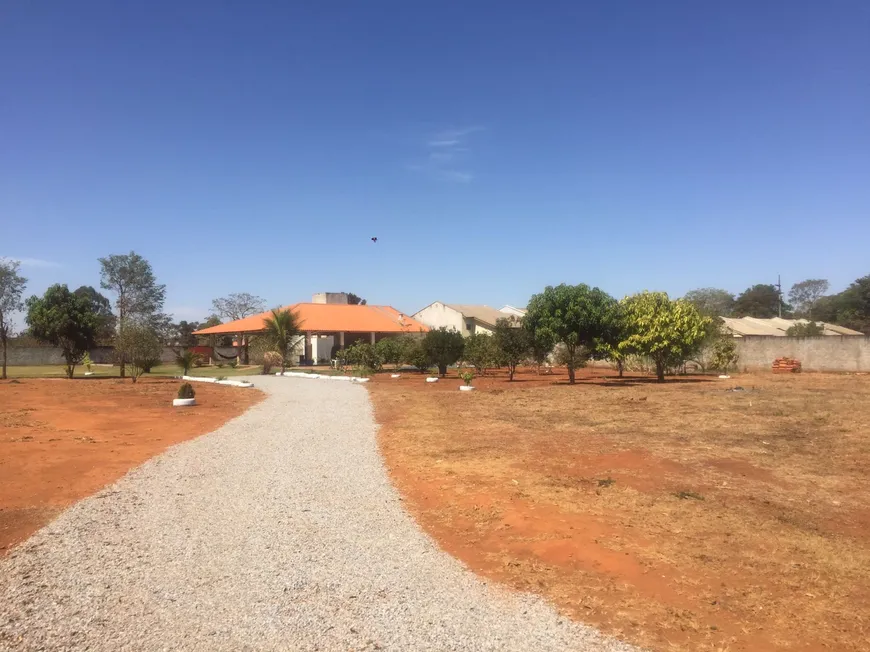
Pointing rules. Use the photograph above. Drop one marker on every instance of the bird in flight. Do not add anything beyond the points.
(374, 239)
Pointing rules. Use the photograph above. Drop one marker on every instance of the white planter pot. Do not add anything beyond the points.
(724, 377)
(89, 373)
(395, 375)
(359, 380)
(183, 402)
(432, 380)
(465, 388)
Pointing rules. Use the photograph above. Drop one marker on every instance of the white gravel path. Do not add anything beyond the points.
(279, 531)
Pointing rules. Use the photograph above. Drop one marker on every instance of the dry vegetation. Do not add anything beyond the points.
(679, 516)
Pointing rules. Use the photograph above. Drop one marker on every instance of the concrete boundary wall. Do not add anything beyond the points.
(39, 355)
(823, 353)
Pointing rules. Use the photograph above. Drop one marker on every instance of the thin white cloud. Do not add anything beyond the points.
(32, 262)
(446, 153)
(457, 175)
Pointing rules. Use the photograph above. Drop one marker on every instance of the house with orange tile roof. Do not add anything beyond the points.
(327, 323)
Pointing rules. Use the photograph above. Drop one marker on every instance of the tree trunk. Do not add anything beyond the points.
(442, 369)
(123, 369)
(660, 371)
(619, 367)
(511, 369)
(570, 373)
(3, 376)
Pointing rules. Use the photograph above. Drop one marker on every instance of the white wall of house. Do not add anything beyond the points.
(438, 315)
(510, 310)
(321, 348)
(479, 329)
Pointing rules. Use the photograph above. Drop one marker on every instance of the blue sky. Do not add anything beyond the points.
(492, 147)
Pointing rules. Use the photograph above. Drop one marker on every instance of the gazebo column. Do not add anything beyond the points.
(373, 337)
(246, 357)
(307, 346)
(239, 347)
(341, 340)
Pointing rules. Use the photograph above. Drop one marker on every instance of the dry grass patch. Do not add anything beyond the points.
(680, 516)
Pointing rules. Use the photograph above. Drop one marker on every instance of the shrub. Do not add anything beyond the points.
(234, 364)
(220, 365)
(362, 356)
(480, 352)
(271, 359)
(467, 376)
(724, 353)
(186, 391)
(186, 359)
(414, 355)
(86, 361)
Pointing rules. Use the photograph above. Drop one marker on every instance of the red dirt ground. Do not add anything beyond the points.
(63, 440)
(678, 516)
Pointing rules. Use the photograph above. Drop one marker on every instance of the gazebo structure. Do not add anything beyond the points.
(325, 326)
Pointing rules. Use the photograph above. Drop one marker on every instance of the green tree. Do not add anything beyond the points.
(760, 301)
(443, 347)
(712, 302)
(102, 308)
(805, 295)
(854, 305)
(480, 352)
(363, 356)
(283, 331)
(354, 299)
(805, 329)
(390, 350)
(513, 344)
(577, 316)
(12, 286)
(140, 345)
(238, 305)
(66, 320)
(666, 331)
(541, 347)
(183, 333)
(414, 354)
(607, 346)
(138, 297)
(724, 353)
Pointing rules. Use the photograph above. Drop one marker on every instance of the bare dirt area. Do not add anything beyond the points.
(62, 440)
(679, 516)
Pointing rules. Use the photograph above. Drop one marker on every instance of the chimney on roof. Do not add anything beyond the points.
(339, 298)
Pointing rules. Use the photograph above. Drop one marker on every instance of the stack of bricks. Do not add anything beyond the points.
(786, 366)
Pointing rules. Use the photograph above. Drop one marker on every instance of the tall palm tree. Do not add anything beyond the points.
(283, 332)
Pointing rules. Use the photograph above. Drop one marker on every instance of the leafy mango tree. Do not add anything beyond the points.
(661, 328)
(577, 316)
(443, 347)
(65, 320)
(513, 342)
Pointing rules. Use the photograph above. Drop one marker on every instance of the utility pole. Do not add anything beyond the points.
(779, 294)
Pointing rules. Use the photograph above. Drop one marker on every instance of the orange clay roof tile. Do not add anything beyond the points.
(329, 318)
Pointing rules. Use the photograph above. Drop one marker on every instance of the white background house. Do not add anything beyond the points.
(465, 318)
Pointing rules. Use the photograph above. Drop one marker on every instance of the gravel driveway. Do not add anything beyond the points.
(279, 531)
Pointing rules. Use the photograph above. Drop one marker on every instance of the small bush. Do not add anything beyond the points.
(271, 359)
(234, 364)
(467, 376)
(186, 359)
(220, 365)
(148, 364)
(186, 391)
